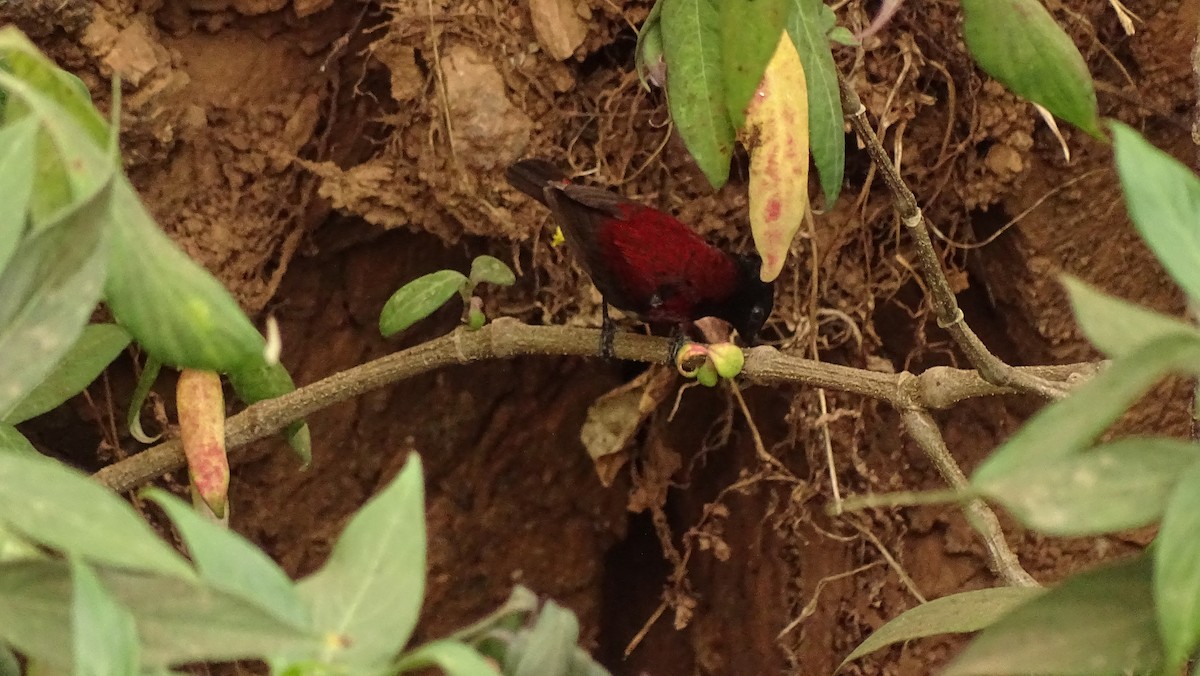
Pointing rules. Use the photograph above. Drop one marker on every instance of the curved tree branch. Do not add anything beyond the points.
(936, 388)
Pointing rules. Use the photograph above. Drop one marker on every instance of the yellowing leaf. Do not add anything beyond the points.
(202, 431)
(777, 136)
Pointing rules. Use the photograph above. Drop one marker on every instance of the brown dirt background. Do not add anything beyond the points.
(316, 154)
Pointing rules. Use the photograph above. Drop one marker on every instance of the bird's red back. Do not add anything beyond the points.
(663, 265)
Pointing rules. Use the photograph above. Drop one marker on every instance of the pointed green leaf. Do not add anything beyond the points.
(228, 562)
(418, 299)
(1113, 487)
(18, 143)
(173, 307)
(9, 665)
(96, 348)
(35, 611)
(1163, 197)
(50, 289)
(367, 596)
(133, 417)
(23, 60)
(259, 381)
(12, 441)
(955, 614)
(452, 657)
(648, 54)
(549, 646)
(695, 90)
(1117, 326)
(63, 509)
(808, 25)
(180, 621)
(491, 270)
(1070, 425)
(177, 621)
(1098, 622)
(13, 547)
(73, 158)
(1018, 43)
(1177, 569)
(750, 32)
(105, 638)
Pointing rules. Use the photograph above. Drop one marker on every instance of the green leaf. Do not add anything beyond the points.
(133, 418)
(648, 55)
(1098, 622)
(176, 310)
(177, 621)
(750, 33)
(18, 143)
(65, 510)
(491, 270)
(50, 289)
(228, 562)
(366, 598)
(73, 157)
(452, 657)
(1117, 326)
(181, 621)
(955, 614)
(95, 349)
(9, 665)
(260, 381)
(1163, 197)
(549, 646)
(418, 299)
(695, 91)
(1113, 487)
(13, 547)
(105, 637)
(1177, 569)
(24, 61)
(808, 25)
(1070, 425)
(12, 441)
(35, 610)
(1018, 43)
(843, 36)
(582, 664)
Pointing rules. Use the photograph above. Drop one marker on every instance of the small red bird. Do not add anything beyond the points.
(646, 262)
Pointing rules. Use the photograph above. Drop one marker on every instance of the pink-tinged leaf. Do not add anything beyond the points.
(777, 136)
(202, 430)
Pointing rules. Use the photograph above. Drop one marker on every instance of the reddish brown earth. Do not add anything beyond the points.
(316, 155)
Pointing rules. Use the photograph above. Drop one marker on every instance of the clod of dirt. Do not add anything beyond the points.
(401, 62)
(489, 130)
(305, 8)
(559, 26)
(132, 52)
(256, 7)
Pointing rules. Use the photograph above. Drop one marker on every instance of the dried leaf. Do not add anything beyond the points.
(616, 416)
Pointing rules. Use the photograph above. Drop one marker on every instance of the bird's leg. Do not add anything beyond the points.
(608, 332)
(679, 338)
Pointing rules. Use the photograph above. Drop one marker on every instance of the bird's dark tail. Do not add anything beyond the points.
(531, 176)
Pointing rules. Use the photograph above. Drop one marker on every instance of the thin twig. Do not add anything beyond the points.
(1003, 561)
(905, 578)
(941, 297)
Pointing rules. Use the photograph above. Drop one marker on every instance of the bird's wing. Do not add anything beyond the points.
(580, 223)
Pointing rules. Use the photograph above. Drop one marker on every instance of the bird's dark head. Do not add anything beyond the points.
(752, 302)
